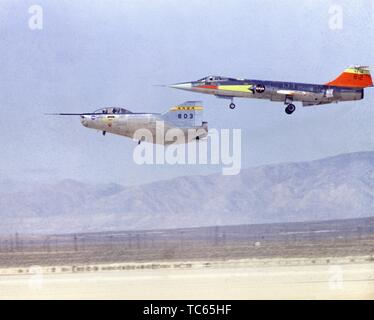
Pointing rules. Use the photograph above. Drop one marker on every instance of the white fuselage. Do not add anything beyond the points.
(149, 127)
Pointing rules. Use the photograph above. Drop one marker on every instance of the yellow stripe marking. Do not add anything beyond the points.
(357, 71)
(184, 108)
(238, 88)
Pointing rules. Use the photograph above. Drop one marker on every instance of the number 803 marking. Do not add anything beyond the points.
(185, 115)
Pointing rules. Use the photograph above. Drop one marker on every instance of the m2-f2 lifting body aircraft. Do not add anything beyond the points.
(348, 86)
(181, 124)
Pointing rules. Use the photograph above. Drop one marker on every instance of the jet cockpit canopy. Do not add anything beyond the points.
(113, 110)
(213, 79)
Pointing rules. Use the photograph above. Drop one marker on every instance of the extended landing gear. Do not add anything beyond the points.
(290, 108)
(232, 104)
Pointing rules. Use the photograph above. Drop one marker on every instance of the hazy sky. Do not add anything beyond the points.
(91, 54)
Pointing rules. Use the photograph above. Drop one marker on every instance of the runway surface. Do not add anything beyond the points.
(314, 260)
(224, 281)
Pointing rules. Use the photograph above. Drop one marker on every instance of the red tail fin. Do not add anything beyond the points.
(353, 77)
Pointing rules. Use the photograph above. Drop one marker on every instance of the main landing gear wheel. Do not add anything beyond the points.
(290, 108)
(232, 105)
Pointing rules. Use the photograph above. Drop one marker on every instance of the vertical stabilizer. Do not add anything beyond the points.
(353, 77)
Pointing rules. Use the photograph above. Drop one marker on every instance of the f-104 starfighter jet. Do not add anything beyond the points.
(181, 124)
(348, 86)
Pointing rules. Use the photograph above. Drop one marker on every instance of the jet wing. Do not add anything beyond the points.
(314, 103)
(295, 93)
(70, 114)
(307, 97)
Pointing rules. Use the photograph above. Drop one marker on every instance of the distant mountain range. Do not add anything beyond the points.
(333, 188)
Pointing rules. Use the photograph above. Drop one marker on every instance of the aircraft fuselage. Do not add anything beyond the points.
(156, 127)
(308, 94)
(348, 86)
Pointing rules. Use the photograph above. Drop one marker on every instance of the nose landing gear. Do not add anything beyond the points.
(232, 104)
